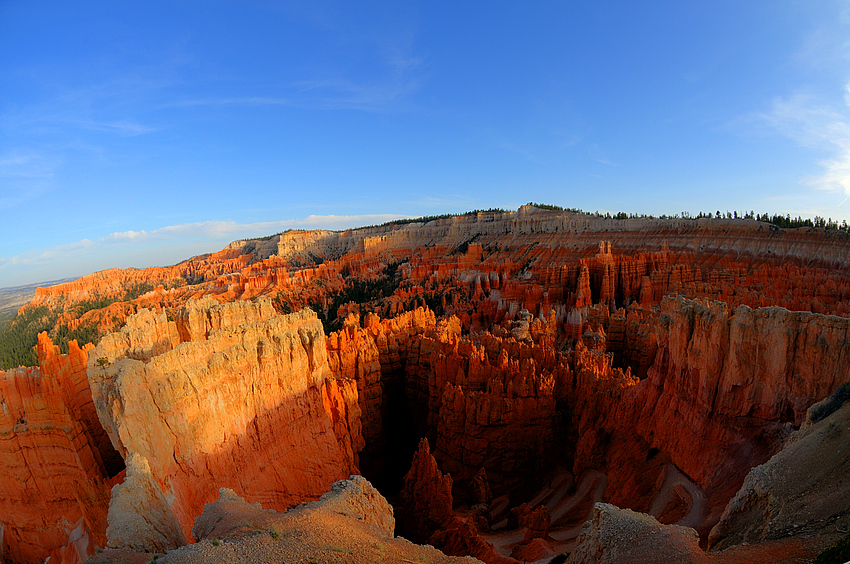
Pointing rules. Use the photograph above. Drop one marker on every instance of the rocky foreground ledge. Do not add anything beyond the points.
(789, 509)
(352, 523)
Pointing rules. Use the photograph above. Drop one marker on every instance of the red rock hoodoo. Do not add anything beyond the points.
(247, 400)
(553, 360)
(56, 462)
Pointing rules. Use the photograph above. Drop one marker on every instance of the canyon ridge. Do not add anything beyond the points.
(505, 386)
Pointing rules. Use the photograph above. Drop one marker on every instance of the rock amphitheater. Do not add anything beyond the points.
(506, 387)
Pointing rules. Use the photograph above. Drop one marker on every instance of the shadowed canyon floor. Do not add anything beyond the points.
(518, 385)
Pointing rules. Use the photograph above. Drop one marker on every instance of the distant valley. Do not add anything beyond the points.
(13, 297)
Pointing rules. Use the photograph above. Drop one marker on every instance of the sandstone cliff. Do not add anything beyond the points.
(801, 492)
(374, 355)
(485, 267)
(351, 523)
(139, 517)
(514, 341)
(227, 394)
(721, 396)
(665, 448)
(56, 462)
(486, 402)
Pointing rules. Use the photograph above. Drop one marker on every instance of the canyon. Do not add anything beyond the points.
(516, 385)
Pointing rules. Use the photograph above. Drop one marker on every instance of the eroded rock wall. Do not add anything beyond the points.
(723, 393)
(548, 339)
(486, 402)
(729, 378)
(426, 514)
(800, 492)
(56, 462)
(247, 401)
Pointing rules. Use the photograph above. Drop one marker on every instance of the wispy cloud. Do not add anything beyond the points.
(218, 229)
(599, 156)
(46, 256)
(40, 120)
(232, 101)
(24, 175)
(210, 233)
(128, 128)
(107, 107)
(26, 164)
(826, 47)
(453, 202)
(397, 77)
(382, 94)
(346, 94)
(817, 125)
(520, 150)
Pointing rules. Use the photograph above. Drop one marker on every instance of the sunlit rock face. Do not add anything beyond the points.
(351, 522)
(56, 461)
(374, 355)
(139, 517)
(229, 395)
(644, 362)
(725, 373)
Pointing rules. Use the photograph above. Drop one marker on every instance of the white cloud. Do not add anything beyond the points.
(207, 236)
(837, 173)
(817, 125)
(219, 229)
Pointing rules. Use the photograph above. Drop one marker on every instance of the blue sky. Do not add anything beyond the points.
(142, 133)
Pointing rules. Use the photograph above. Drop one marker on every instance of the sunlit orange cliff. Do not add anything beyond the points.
(515, 386)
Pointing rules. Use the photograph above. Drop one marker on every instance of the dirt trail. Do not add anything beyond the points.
(674, 477)
(560, 504)
(591, 485)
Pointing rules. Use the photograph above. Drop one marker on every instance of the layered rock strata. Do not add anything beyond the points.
(227, 394)
(722, 394)
(56, 462)
(535, 258)
(375, 356)
(547, 338)
(742, 369)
